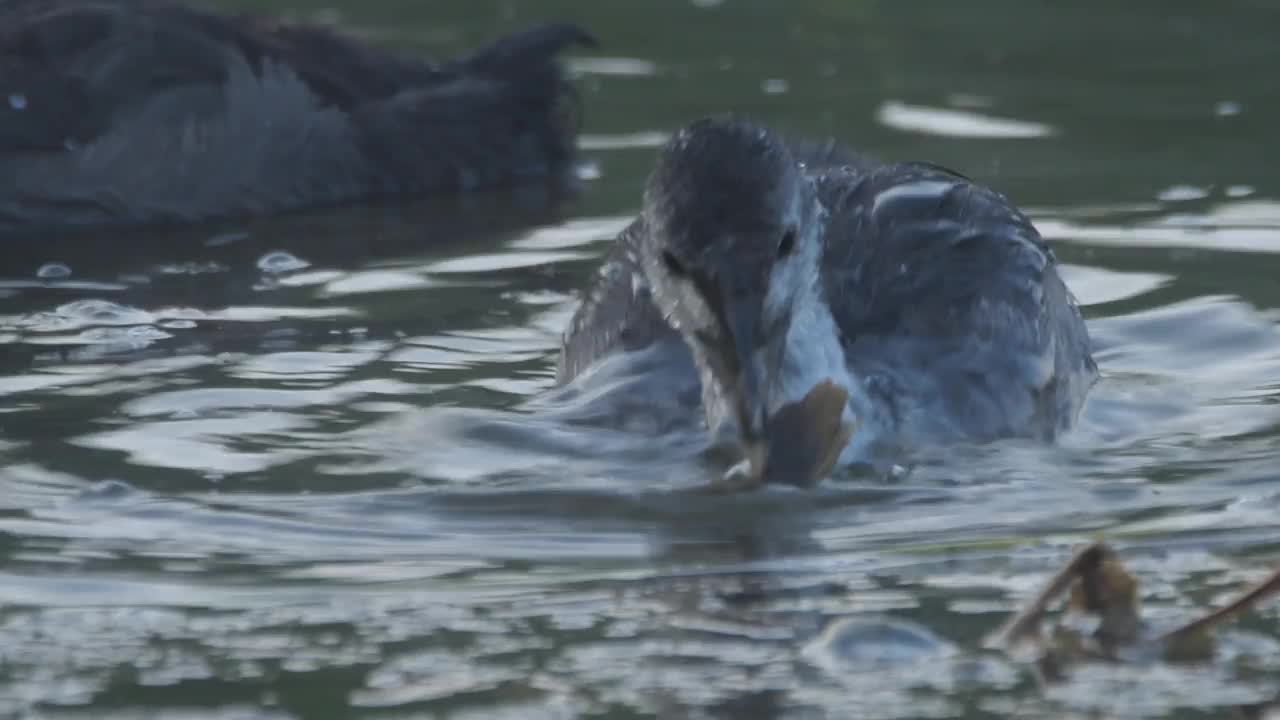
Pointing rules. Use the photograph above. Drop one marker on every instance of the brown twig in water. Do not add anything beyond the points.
(1268, 587)
(1088, 557)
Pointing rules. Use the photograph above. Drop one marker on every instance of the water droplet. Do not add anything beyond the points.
(104, 312)
(279, 262)
(107, 490)
(1239, 191)
(774, 86)
(1227, 108)
(589, 171)
(70, 144)
(227, 238)
(178, 324)
(1182, 193)
(18, 101)
(192, 268)
(53, 271)
(468, 179)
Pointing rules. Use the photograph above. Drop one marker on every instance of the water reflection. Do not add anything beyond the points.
(390, 486)
(957, 123)
(305, 468)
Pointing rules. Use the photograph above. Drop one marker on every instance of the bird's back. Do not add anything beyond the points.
(950, 305)
(121, 53)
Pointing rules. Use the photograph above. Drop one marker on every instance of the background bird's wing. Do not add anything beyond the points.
(76, 66)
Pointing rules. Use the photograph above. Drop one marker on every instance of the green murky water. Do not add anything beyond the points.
(280, 475)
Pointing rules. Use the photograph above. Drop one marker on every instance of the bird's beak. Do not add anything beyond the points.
(798, 441)
(743, 319)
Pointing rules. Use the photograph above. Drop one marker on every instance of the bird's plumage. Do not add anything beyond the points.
(948, 306)
(142, 111)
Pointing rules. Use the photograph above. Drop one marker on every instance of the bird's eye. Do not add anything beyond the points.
(673, 265)
(788, 243)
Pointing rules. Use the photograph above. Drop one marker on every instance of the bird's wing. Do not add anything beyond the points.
(930, 272)
(616, 312)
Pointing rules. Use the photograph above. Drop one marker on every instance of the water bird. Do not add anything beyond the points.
(132, 112)
(832, 310)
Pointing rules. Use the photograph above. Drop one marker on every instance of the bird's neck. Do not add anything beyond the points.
(813, 353)
(809, 353)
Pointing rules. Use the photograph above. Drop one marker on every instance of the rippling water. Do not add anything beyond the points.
(289, 469)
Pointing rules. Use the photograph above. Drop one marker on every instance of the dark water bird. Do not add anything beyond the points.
(129, 112)
(830, 309)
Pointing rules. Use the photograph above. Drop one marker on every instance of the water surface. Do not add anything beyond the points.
(283, 470)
